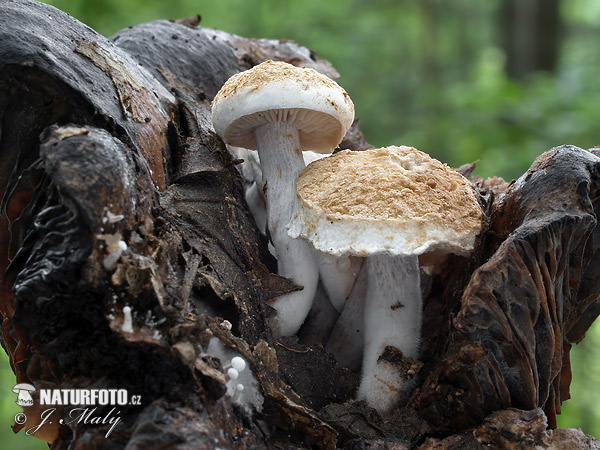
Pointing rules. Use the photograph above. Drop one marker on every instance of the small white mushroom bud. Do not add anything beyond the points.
(110, 261)
(238, 363)
(127, 326)
(226, 325)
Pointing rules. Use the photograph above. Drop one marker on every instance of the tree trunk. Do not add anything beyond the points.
(109, 142)
(530, 32)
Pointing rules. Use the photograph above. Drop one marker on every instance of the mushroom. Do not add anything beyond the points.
(279, 110)
(238, 363)
(337, 274)
(127, 326)
(115, 246)
(23, 394)
(390, 205)
(253, 182)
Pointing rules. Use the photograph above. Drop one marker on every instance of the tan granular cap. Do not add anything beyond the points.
(275, 91)
(270, 71)
(396, 184)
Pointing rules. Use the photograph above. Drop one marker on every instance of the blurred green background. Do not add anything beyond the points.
(496, 81)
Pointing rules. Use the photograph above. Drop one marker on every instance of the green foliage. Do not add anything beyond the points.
(422, 73)
(427, 73)
(582, 411)
(8, 409)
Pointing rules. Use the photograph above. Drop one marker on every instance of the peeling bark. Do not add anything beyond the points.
(518, 313)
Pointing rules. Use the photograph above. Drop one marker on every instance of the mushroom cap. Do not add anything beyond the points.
(275, 91)
(23, 387)
(394, 200)
(238, 363)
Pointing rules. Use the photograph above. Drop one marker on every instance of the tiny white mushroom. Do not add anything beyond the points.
(226, 325)
(238, 363)
(127, 326)
(256, 203)
(237, 393)
(232, 373)
(112, 218)
(110, 261)
(390, 205)
(231, 359)
(279, 110)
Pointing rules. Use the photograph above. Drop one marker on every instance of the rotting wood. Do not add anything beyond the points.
(80, 162)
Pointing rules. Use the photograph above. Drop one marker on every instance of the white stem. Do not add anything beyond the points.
(281, 160)
(338, 274)
(256, 204)
(127, 325)
(320, 320)
(346, 341)
(392, 318)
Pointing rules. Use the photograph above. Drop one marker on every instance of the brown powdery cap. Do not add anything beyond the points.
(394, 200)
(276, 91)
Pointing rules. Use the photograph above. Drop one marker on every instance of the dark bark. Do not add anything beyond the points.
(107, 140)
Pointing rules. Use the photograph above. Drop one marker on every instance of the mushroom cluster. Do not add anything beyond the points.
(337, 274)
(361, 222)
(280, 110)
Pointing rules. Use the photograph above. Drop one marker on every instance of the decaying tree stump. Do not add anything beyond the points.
(111, 140)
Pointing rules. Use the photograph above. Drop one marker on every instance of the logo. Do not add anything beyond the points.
(23, 391)
(84, 406)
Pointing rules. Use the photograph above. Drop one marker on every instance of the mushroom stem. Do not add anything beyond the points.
(392, 319)
(338, 275)
(280, 154)
(346, 341)
(257, 206)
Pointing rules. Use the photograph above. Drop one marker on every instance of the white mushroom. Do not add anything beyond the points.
(390, 205)
(337, 274)
(115, 246)
(127, 326)
(245, 381)
(238, 363)
(279, 110)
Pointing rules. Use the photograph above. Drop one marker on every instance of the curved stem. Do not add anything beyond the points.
(346, 341)
(392, 318)
(338, 275)
(281, 160)
(257, 206)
